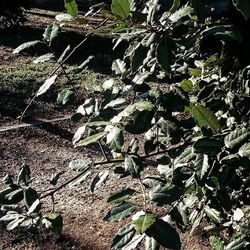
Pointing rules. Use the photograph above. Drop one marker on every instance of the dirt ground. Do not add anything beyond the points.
(47, 148)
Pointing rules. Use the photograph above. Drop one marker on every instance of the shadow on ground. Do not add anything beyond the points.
(98, 46)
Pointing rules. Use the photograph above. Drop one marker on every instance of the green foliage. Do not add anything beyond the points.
(121, 8)
(205, 117)
(184, 91)
(71, 7)
(51, 32)
(65, 96)
(123, 236)
(120, 212)
(144, 222)
(54, 222)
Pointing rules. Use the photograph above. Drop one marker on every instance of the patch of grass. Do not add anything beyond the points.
(24, 77)
(90, 81)
(21, 79)
(27, 77)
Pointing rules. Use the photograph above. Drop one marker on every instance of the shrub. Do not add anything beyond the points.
(196, 131)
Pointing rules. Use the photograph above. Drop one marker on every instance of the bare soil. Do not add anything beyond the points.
(48, 148)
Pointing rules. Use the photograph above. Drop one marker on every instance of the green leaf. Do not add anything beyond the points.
(244, 151)
(120, 212)
(180, 13)
(140, 78)
(51, 32)
(186, 156)
(140, 123)
(15, 196)
(80, 164)
(151, 244)
(71, 7)
(195, 219)
(121, 8)
(195, 72)
(120, 195)
(97, 124)
(236, 137)
(229, 35)
(243, 6)
(30, 196)
(115, 103)
(133, 244)
(213, 30)
(123, 236)
(24, 175)
(201, 165)
(35, 207)
(149, 39)
(11, 207)
(181, 213)
(200, 8)
(186, 85)
(65, 96)
(205, 117)
(47, 84)
(11, 215)
(26, 46)
(91, 139)
(115, 139)
(139, 106)
(119, 67)
(15, 223)
(213, 214)
(142, 113)
(206, 145)
(138, 56)
(238, 244)
(165, 53)
(152, 181)
(165, 194)
(175, 6)
(232, 158)
(8, 179)
(62, 56)
(99, 180)
(134, 164)
(3, 193)
(53, 221)
(164, 234)
(133, 146)
(144, 222)
(54, 178)
(78, 134)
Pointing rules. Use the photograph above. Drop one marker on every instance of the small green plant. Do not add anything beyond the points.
(191, 129)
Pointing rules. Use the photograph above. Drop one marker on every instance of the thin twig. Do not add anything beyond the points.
(103, 151)
(60, 64)
(27, 107)
(77, 176)
(52, 192)
(143, 195)
(53, 203)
